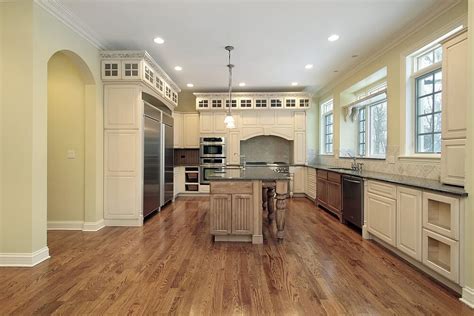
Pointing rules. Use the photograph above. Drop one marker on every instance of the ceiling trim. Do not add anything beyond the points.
(59, 11)
(395, 40)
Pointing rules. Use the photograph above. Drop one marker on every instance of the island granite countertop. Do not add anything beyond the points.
(247, 174)
(397, 179)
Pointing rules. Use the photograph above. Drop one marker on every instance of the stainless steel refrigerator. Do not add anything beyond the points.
(168, 159)
(158, 160)
(152, 160)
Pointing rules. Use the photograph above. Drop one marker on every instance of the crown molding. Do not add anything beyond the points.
(60, 12)
(433, 13)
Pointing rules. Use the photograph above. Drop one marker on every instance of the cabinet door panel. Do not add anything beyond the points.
(242, 215)
(334, 195)
(455, 87)
(178, 130)
(220, 214)
(206, 122)
(299, 148)
(321, 190)
(381, 217)
(234, 148)
(121, 107)
(453, 161)
(191, 130)
(409, 221)
(219, 126)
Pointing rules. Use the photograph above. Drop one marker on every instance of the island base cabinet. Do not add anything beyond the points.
(221, 214)
(381, 217)
(441, 254)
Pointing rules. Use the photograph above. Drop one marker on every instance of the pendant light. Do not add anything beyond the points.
(229, 119)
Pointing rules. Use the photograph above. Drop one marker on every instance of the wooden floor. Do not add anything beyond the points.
(171, 265)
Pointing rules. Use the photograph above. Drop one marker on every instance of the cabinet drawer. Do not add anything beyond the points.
(322, 174)
(236, 187)
(441, 254)
(441, 214)
(334, 177)
(383, 189)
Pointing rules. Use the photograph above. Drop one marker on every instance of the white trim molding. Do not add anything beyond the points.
(124, 222)
(76, 225)
(63, 14)
(467, 296)
(93, 226)
(24, 259)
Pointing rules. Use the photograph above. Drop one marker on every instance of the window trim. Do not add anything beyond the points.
(326, 134)
(368, 146)
(322, 123)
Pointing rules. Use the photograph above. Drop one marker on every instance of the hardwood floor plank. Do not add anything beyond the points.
(172, 266)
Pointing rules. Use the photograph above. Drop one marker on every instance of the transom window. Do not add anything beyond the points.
(327, 124)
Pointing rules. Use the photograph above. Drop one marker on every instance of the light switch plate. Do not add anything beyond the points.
(71, 154)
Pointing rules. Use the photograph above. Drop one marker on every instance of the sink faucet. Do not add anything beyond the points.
(243, 161)
(356, 166)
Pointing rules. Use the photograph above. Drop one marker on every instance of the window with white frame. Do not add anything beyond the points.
(327, 127)
(372, 122)
(427, 78)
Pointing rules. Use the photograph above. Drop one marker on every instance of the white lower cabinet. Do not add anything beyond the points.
(422, 224)
(310, 188)
(381, 217)
(441, 254)
(409, 221)
(178, 180)
(298, 179)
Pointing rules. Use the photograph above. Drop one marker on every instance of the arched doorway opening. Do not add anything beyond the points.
(71, 91)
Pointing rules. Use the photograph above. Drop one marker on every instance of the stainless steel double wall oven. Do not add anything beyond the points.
(212, 156)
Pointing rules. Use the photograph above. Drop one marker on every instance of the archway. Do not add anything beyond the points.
(71, 91)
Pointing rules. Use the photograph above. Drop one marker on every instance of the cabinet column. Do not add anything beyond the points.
(281, 196)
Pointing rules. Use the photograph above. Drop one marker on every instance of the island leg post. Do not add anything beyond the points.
(270, 204)
(281, 197)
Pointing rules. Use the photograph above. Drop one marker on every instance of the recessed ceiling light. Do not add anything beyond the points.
(178, 68)
(242, 84)
(308, 66)
(158, 40)
(190, 85)
(294, 83)
(333, 38)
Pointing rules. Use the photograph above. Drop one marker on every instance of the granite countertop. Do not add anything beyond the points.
(398, 179)
(249, 173)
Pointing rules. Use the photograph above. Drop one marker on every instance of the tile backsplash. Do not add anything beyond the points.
(412, 168)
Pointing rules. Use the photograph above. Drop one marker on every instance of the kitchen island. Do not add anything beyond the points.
(238, 198)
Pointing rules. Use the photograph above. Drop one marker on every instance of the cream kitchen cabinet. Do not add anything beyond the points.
(179, 180)
(178, 130)
(381, 217)
(300, 121)
(212, 123)
(455, 102)
(298, 174)
(409, 225)
(190, 130)
(233, 148)
(310, 178)
(122, 104)
(299, 148)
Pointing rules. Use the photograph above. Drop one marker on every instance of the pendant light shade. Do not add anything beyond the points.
(229, 121)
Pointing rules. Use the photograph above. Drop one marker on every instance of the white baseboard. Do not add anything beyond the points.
(24, 259)
(76, 225)
(467, 296)
(93, 226)
(65, 225)
(124, 222)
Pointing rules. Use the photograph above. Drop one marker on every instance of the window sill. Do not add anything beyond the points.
(421, 157)
(365, 158)
(327, 155)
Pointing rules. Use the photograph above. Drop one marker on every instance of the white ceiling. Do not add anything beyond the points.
(273, 40)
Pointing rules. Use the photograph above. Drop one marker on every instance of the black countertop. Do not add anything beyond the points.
(248, 174)
(397, 179)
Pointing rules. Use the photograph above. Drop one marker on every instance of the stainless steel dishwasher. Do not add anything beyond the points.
(353, 200)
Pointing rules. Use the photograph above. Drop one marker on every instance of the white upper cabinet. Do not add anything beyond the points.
(121, 103)
(138, 67)
(253, 100)
(190, 130)
(455, 87)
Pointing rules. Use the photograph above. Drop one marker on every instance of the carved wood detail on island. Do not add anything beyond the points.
(236, 209)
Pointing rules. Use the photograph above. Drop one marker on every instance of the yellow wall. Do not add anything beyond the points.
(66, 109)
(187, 102)
(392, 59)
(33, 36)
